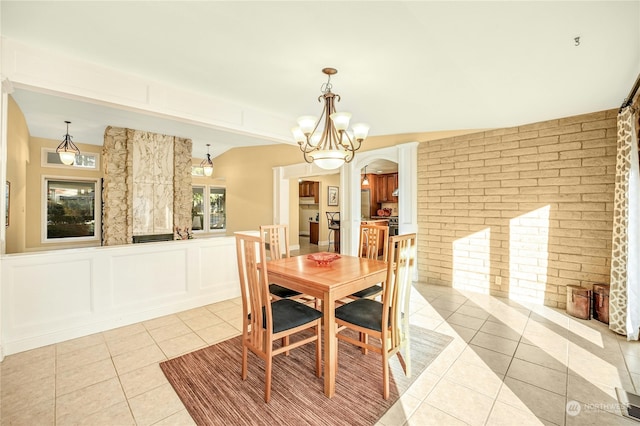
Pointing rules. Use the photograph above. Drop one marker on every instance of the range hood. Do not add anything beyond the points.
(395, 192)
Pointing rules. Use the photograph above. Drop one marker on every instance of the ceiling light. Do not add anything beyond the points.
(333, 145)
(365, 181)
(67, 150)
(207, 164)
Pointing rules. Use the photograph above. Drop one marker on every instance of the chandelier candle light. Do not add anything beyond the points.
(207, 164)
(333, 145)
(67, 150)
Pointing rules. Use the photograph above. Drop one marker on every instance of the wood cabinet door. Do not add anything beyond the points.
(392, 184)
(314, 232)
(381, 189)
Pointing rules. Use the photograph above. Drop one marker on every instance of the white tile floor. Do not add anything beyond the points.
(507, 364)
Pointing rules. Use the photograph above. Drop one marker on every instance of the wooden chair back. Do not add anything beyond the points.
(277, 236)
(373, 238)
(252, 268)
(397, 288)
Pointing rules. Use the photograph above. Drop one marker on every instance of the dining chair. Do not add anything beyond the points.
(265, 321)
(333, 224)
(373, 238)
(388, 320)
(277, 236)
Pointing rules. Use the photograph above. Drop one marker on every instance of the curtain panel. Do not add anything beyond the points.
(624, 297)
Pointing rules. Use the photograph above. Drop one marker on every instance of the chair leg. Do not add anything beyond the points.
(244, 362)
(406, 345)
(385, 374)
(285, 342)
(407, 358)
(364, 338)
(319, 351)
(267, 378)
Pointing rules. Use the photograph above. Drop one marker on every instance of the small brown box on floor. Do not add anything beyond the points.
(601, 302)
(579, 302)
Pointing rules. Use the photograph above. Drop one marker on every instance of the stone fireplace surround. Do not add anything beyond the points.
(147, 185)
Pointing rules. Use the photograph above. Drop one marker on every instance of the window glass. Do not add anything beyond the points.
(197, 171)
(71, 209)
(217, 208)
(197, 210)
(83, 161)
(214, 210)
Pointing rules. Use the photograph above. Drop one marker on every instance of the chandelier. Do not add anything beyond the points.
(67, 150)
(207, 164)
(333, 145)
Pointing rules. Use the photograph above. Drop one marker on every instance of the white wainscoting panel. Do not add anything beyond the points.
(141, 277)
(218, 278)
(67, 295)
(49, 297)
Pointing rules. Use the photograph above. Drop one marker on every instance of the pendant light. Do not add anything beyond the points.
(207, 164)
(67, 150)
(365, 180)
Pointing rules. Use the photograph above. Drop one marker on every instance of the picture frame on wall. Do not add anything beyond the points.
(332, 196)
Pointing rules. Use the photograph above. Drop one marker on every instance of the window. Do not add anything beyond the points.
(208, 216)
(71, 210)
(50, 158)
(197, 171)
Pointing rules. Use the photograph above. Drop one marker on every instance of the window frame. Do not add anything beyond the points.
(206, 213)
(45, 163)
(97, 208)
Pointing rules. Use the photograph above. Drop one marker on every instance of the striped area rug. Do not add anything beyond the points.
(209, 384)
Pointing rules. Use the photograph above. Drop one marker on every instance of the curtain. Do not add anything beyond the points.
(624, 295)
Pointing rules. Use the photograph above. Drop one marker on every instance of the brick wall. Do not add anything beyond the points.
(519, 212)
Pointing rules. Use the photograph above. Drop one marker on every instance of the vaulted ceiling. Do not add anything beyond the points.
(403, 67)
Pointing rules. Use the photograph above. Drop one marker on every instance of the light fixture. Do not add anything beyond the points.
(333, 145)
(365, 181)
(207, 164)
(67, 150)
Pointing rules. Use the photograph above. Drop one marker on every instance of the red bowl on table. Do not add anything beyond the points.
(324, 258)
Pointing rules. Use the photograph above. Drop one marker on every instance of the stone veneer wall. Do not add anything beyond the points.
(117, 194)
(519, 212)
(182, 192)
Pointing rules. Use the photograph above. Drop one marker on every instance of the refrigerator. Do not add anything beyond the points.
(365, 206)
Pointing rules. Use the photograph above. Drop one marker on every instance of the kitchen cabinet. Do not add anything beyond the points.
(308, 188)
(314, 232)
(384, 187)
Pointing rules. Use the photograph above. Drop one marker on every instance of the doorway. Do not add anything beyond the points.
(405, 155)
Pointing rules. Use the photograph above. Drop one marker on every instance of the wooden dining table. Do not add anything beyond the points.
(340, 278)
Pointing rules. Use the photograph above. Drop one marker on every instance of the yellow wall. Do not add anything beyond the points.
(17, 158)
(35, 175)
(248, 173)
